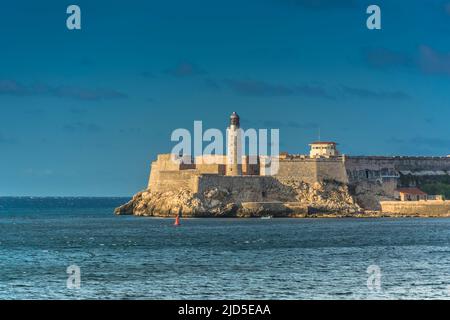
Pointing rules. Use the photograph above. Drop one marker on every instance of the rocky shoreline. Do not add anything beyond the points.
(290, 199)
(139, 206)
(296, 200)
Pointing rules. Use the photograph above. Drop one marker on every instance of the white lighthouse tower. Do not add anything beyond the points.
(234, 147)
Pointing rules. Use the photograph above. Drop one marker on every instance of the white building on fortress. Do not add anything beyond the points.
(323, 149)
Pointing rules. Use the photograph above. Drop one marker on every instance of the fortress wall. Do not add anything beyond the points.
(373, 179)
(175, 180)
(298, 169)
(385, 169)
(169, 175)
(331, 169)
(312, 170)
(369, 169)
(234, 183)
(422, 163)
(154, 175)
(399, 163)
(166, 163)
(417, 208)
(211, 168)
(368, 163)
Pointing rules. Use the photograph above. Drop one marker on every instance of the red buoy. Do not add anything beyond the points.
(177, 221)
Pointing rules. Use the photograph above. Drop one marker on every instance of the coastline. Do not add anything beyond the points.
(312, 217)
(280, 199)
(370, 216)
(127, 210)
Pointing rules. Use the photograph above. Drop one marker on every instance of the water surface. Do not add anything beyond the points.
(147, 258)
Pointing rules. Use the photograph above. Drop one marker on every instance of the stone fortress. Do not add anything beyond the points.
(323, 182)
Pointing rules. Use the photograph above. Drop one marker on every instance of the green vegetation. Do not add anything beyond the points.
(437, 188)
(433, 185)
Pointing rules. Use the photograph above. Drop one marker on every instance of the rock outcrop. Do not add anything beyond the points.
(368, 194)
(281, 199)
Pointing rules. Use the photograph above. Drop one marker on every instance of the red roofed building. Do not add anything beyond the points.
(410, 194)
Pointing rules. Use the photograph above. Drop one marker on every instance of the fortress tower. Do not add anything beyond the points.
(234, 147)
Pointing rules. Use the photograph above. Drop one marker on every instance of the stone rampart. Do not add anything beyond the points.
(399, 163)
(417, 208)
(312, 170)
(175, 180)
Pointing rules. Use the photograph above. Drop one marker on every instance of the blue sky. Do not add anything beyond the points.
(85, 112)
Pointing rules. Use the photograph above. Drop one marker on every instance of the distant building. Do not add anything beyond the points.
(323, 149)
(410, 194)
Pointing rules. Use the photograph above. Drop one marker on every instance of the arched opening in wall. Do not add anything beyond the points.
(367, 174)
(263, 194)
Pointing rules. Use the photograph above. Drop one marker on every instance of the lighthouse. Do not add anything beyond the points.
(234, 147)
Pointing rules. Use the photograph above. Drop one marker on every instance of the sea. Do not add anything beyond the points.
(76, 248)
